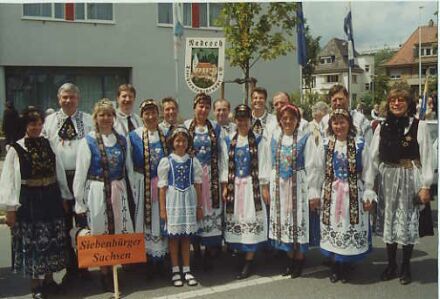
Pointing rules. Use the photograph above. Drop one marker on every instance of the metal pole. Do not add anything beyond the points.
(349, 87)
(176, 66)
(300, 84)
(420, 50)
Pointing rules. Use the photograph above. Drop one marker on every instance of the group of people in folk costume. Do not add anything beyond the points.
(263, 179)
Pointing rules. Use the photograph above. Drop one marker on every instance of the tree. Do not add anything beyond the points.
(380, 79)
(313, 48)
(255, 31)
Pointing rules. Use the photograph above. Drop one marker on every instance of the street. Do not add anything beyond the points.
(265, 283)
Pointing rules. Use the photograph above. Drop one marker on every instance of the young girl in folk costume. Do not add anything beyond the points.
(291, 173)
(180, 178)
(32, 188)
(146, 147)
(245, 185)
(345, 231)
(207, 136)
(99, 185)
(401, 151)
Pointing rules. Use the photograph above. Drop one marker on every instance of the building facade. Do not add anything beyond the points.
(404, 65)
(99, 46)
(332, 69)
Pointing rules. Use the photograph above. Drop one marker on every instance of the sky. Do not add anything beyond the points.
(376, 24)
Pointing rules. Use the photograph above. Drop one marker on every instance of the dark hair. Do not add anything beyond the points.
(242, 110)
(335, 89)
(173, 136)
(351, 128)
(169, 100)
(401, 92)
(259, 90)
(31, 114)
(201, 96)
(126, 87)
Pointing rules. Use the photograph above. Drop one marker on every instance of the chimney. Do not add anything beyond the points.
(431, 23)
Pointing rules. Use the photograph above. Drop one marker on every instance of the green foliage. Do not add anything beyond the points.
(432, 84)
(310, 98)
(254, 30)
(313, 48)
(381, 80)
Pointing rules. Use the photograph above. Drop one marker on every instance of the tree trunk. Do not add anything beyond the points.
(246, 82)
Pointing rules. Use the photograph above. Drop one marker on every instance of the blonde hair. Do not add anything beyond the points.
(102, 105)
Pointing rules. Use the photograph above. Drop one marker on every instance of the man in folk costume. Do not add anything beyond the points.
(261, 118)
(170, 112)
(222, 110)
(338, 96)
(65, 129)
(126, 121)
(245, 189)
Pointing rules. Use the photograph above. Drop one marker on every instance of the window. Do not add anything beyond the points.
(367, 68)
(354, 79)
(38, 86)
(395, 77)
(326, 59)
(367, 86)
(332, 78)
(102, 12)
(428, 51)
(353, 97)
(195, 15)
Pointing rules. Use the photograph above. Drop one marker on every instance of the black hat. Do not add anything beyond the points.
(242, 110)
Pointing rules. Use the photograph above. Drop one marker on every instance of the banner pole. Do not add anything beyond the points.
(115, 281)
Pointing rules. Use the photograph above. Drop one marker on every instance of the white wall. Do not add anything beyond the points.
(134, 41)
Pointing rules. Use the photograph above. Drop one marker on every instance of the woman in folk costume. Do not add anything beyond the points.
(401, 155)
(245, 189)
(291, 171)
(32, 188)
(99, 186)
(345, 229)
(146, 147)
(180, 179)
(207, 136)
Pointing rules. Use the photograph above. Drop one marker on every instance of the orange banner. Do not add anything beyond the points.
(107, 250)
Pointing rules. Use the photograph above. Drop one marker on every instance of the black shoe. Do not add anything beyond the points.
(389, 273)
(343, 271)
(245, 272)
(405, 275)
(37, 293)
(297, 270)
(334, 276)
(289, 269)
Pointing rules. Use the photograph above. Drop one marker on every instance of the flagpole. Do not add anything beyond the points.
(349, 68)
(301, 84)
(176, 66)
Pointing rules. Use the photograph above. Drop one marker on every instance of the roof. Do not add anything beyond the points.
(338, 48)
(405, 56)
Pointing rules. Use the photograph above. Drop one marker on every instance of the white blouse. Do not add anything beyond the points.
(82, 168)
(121, 122)
(10, 179)
(263, 159)
(164, 167)
(312, 166)
(425, 150)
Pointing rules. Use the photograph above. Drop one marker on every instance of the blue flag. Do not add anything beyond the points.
(348, 28)
(177, 20)
(300, 36)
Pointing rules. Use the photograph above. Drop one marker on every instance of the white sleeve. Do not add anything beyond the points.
(425, 149)
(314, 167)
(62, 180)
(197, 167)
(79, 181)
(368, 131)
(370, 175)
(10, 182)
(223, 165)
(263, 161)
(367, 169)
(129, 160)
(162, 172)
